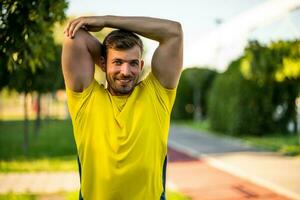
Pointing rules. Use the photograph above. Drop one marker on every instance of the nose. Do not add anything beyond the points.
(125, 69)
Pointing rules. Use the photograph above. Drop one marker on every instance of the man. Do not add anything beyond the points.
(121, 132)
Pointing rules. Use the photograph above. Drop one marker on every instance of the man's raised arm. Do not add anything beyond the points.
(168, 57)
(79, 56)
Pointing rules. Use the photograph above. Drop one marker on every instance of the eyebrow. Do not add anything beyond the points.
(119, 59)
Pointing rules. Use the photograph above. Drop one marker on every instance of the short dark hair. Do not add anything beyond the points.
(121, 40)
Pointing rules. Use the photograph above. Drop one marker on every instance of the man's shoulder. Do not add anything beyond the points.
(151, 80)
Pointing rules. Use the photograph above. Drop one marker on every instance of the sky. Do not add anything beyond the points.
(206, 42)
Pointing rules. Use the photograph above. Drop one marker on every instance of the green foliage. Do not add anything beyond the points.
(28, 53)
(250, 97)
(202, 126)
(28, 45)
(290, 150)
(278, 61)
(46, 78)
(183, 98)
(231, 109)
(274, 142)
(25, 28)
(193, 90)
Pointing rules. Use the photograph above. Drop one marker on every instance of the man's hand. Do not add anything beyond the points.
(93, 24)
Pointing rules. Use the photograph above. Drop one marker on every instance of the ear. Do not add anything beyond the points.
(102, 64)
(142, 64)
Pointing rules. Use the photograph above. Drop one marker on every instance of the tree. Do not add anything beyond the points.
(25, 28)
(192, 93)
(257, 94)
(26, 42)
(277, 66)
(236, 105)
(47, 79)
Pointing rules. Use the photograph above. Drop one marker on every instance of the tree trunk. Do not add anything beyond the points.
(196, 101)
(25, 130)
(298, 132)
(47, 108)
(1, 111)
(298, 124)
(38, 115)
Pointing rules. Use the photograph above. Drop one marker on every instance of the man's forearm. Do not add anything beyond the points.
(152, 28)
(94, 47)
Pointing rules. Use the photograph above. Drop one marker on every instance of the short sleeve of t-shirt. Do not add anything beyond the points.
(165, 96)
(77, 100)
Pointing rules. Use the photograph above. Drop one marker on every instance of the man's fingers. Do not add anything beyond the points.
(72, 28)
(76, 28)
(74, 25)
(66, 31)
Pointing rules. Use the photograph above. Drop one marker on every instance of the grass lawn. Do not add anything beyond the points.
(284, 143)
(171, 195)
(55, 196)
(52, 150)
(202, 126)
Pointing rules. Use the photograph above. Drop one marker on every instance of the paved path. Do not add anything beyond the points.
(269, 170)
(200, 144)
(42, 182)
(200, 181)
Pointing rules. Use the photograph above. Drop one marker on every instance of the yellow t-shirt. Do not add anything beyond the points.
(122, 141)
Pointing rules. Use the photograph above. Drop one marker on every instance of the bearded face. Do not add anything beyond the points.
(123, 69)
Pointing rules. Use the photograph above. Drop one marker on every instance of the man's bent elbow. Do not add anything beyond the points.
(176, 29)
(79, 39)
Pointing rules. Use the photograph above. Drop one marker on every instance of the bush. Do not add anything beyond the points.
(238, 106)
(257, 94)
(193, 90)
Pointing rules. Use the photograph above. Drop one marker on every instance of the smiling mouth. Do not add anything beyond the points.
(124, 81)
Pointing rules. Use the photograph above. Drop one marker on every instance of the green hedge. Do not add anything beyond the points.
(193, 90)
(239, 106)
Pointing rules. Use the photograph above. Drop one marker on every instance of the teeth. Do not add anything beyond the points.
(124, 80)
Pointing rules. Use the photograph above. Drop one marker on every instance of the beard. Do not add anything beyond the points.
(121, 85)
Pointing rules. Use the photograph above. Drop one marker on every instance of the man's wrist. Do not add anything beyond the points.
(107, 20)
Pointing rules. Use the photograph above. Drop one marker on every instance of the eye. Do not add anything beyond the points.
(134, 63)
(118, 62)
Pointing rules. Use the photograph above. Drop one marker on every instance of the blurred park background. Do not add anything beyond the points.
(241, 78)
